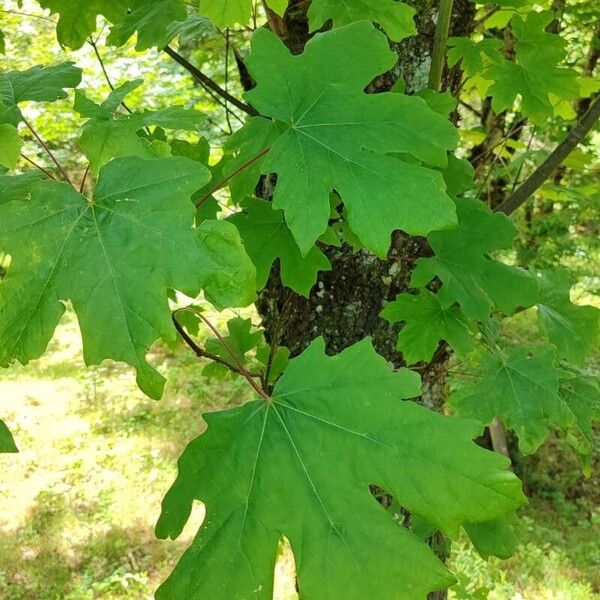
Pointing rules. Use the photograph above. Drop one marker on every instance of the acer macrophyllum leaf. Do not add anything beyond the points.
(339, 138)
(535, 75)
(39, 84)
(522, 390)
(473, 55)
(335, 425)
(16, 188)
(267, 238)
(494, 538)
(581, 393)
(114, 258)
(573, 329)
(154, 21)
(462, 262)
(89, 109)
(226, 13)
(77, 20)
(396, 18)
(430, 318)
(10, 145)
(7, 443)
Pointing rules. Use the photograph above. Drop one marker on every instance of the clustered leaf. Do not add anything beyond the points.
(334, 426)
(396, 18)
(226, 13)
(339, 138)
(113, 257)
(470, 276)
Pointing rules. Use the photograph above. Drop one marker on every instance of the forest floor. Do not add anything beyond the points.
(79, 502)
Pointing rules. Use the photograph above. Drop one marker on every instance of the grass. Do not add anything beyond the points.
(79, 502)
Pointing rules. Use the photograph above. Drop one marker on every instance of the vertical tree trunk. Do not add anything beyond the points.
(345, 303)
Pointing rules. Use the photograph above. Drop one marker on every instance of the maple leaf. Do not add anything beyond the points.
(469, 275)
(571, 328)
(534, 75)
(338, 138)
(10, 145)
(113, 257)
(334, 426)
(16, 187)
(7, 443)
(77, 20)
(429, 318)
(154, 21)
(267, 238)
(396, 18)
(226, 13)
(522, 390)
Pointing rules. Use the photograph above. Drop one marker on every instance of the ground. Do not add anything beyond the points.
(79, 502)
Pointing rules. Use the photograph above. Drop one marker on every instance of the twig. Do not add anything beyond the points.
(558, 155)
(47, 149)
(243, 371)
(32, 162)
(200, 352)
(208, 82)
(231, 176)
(438, 58)
(85, 174)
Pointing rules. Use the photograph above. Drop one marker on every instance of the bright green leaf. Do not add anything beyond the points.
(469, 275)
(494, 538)
(10, 145)
(114, 258)
(226, 13)
(267, 238)
(396, 18)
(522, 390)
(430, 318)
(334, 426)
(571, 328)
(339, 138)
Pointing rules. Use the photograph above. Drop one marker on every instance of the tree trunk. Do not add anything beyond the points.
(344, 305)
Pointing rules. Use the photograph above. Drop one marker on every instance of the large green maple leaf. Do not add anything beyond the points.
(522, 389)
(10, 145)
(113, 257)
(429, 318)
(396, 18)
(463, 264)
(77, 20)
(535, 74)
(267, 238)
(300, 466)
(336, 137)
(573, 329)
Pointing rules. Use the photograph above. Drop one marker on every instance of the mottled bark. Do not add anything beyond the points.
(344, 305)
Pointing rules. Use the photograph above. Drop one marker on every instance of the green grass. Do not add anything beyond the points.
(78, 504)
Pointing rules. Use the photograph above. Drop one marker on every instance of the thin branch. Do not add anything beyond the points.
(243, 371)
(47, 149)
(224, 181)
(32, 162)
(208, 82)
(200, 352)
(93, 44)
(85, 174)
(560, 153)
(438, 58)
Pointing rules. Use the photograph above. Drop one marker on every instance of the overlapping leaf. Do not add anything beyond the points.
(10, 145)
(430, 318)
(77, 20)
(521, 389)
(226, 13)
(396, 18)
(573, 329)
(335, 425)
(339, 138)
(462, 262)
(267, 238)
(535, 74)
(114, 258)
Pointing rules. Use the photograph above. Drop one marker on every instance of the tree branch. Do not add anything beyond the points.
(438, 58)
(560, 153)
(209, 83)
